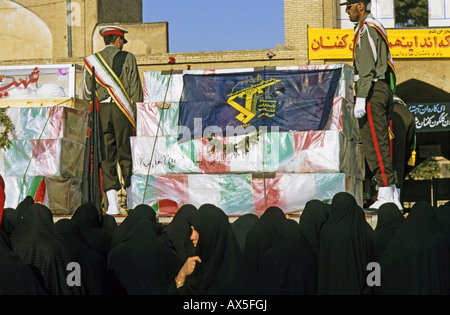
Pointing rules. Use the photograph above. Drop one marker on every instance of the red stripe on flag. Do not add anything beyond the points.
(40, 192)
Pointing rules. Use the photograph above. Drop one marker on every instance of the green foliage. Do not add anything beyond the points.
(6, 127)
(411, 13)
(426, 170)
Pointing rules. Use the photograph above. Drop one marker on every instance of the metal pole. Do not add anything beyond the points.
(69, 28)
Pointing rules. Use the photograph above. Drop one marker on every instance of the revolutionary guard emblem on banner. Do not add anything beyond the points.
(251, 93)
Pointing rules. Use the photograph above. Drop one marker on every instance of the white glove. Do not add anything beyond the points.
(360, 107)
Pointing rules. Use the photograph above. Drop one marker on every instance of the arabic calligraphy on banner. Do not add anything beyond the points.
(9, 82)
(431, 116)
(338, 43)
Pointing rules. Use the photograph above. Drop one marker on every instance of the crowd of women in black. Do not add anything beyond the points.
(327, 252)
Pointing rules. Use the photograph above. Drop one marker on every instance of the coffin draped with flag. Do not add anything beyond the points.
(246, 139)
(286, 99)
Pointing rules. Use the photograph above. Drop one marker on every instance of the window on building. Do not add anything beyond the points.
(404, 13)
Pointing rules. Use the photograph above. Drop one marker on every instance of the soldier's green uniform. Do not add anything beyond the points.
(117, 129)
(374, 81)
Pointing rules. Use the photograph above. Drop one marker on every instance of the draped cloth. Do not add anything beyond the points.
(222, 270)
(140, 212)
(345, 249)
(9, 221)
(179, 232)
(313, 217)
(281, 259)
(17, 277)
(416, 261)
(143, 263)
(389, 219)
(90, 223)
(241, 226)
(38, 244)
(93, 272)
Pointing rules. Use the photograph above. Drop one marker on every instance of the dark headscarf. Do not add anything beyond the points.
(346, 247)
(38, 244)
(109, 223)
(179, 231)
(283, 262)
(389, 219)
(143, 263)
(313, 217)
(90, 222)
(416, 261)
(443, 218)
(10, 219)
(261, 236)
(93, 272)
(139, 213)
(241, 226)
(24, 205)
(222, 270)
(16, 277)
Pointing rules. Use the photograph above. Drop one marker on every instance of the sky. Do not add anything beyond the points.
(215, 25)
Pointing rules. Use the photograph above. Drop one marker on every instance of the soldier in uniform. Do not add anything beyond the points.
(374, 78)
(119, 90)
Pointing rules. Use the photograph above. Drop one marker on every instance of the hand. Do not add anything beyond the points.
(186, 270)
(360, 107)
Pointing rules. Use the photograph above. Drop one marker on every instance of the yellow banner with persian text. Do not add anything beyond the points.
(418, 43)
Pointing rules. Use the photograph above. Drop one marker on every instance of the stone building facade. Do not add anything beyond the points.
(45, 32)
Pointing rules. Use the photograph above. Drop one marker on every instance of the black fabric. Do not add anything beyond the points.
(10, 218)
(90, 223)
(38, 244)
(241, 226)
(313, 217)
(16, 277)
(389, 219)
(281, 258)
(139, 213)
(179, 232)
(109, 223)
(222, 270)
(23, 206)
(118, 61)
(345, 249)
(416, 261)
(260, 237)
(404, 129)
(143, 263)
(443, 218)
(93, 273)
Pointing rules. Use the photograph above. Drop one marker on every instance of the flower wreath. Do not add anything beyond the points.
(8, 126)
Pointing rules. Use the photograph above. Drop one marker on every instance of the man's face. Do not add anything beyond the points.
(353, 12)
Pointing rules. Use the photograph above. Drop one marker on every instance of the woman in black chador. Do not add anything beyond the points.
(218, 267)
(416, 261)
(143, 263)
(345, 249)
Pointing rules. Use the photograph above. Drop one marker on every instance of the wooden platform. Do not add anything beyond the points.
(45, 102)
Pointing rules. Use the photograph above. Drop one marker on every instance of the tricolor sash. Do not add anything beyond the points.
(368, 21)
(106, 77)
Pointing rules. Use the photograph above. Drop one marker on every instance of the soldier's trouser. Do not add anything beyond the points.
(117, 130)
(375, 134)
